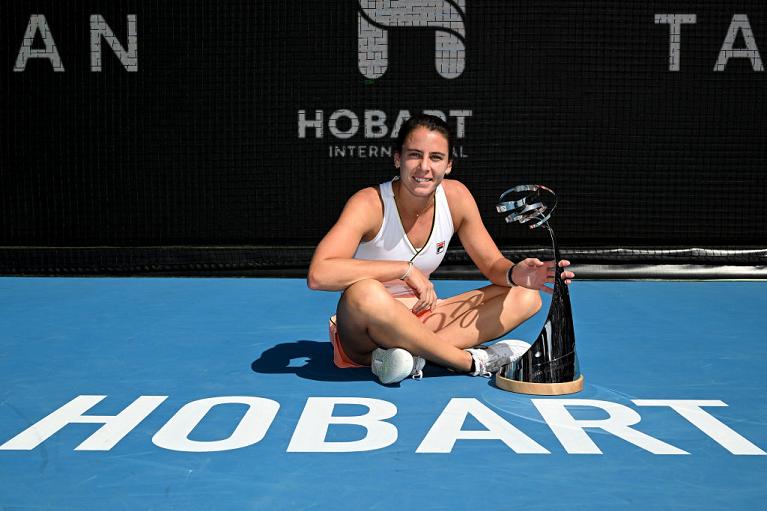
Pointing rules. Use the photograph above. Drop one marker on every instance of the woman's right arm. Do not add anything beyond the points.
(333, 267)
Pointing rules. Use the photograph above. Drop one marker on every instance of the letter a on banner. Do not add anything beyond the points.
(739, 24)
(38, 25)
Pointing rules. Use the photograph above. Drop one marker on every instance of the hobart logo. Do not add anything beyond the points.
(373, 125)
(375, 431)
(376, 16)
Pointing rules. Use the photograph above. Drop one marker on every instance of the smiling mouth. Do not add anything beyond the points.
(422, 179)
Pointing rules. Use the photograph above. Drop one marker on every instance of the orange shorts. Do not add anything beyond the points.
(340, 358)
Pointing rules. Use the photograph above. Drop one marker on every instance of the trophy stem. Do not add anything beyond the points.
(558, 283)
(550, 366)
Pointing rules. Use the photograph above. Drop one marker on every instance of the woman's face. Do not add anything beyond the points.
(424, 161)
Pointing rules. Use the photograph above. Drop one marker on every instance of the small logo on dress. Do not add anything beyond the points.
(440, 247)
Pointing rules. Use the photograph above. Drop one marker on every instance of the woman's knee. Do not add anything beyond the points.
(530, 301)
(365, 296)
(520, 301)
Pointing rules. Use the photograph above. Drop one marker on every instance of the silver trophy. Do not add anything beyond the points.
(550, 367)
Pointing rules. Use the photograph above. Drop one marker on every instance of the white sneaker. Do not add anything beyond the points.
(394, 365)
(490, 360)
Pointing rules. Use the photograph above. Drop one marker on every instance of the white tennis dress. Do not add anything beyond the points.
(391, 242)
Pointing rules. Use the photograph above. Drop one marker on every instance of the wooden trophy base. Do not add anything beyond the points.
(541, 389)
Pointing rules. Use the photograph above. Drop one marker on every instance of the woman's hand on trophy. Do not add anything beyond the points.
(533, 273)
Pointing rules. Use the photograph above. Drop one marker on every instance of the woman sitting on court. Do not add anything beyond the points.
(387, 242)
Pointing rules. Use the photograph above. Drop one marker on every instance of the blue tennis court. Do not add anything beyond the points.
(221, 394)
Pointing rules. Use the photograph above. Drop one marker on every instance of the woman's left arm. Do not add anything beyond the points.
(531, 273)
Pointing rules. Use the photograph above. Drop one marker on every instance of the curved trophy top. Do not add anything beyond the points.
(527, 202)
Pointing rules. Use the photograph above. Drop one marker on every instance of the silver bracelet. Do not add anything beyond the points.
(509, 276)
(410, 267)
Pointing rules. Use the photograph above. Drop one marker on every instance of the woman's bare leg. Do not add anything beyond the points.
(478, 316)
(368, 317)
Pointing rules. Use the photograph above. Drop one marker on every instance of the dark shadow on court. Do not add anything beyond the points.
(313, 360)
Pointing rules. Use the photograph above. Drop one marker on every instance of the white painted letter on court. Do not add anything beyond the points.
(448, 428)
(575, 440)
(114, 428)
(251, 429)
(311, 431)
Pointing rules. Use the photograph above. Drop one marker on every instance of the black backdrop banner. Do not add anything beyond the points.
(177, 134)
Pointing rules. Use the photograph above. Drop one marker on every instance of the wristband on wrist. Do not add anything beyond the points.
(510, 277)
(409, 267)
